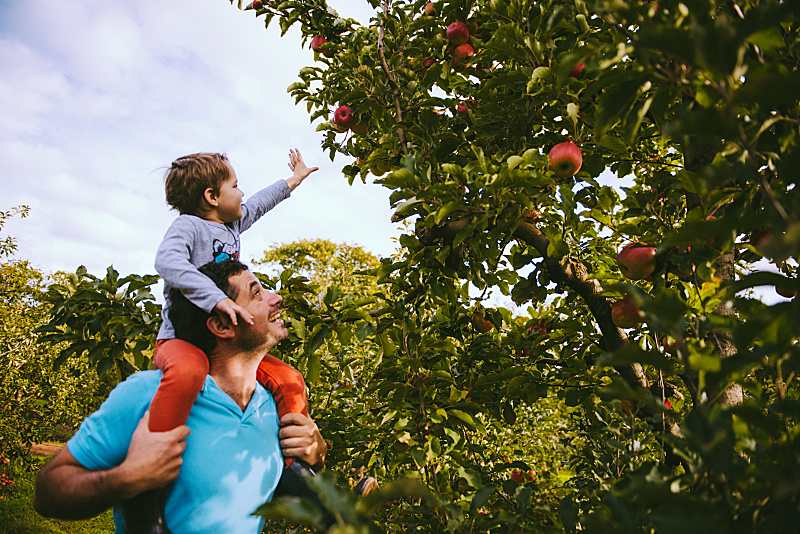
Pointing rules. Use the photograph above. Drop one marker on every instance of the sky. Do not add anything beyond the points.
(99, 97)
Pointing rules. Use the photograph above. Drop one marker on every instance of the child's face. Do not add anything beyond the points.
(229, 208)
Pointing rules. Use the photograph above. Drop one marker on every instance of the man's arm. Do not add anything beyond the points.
(67, 490)
(300, 438)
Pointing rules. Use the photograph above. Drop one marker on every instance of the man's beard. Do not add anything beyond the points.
(249, 341)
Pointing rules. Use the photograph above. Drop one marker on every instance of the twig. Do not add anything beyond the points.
(773, 199)
(401, 133)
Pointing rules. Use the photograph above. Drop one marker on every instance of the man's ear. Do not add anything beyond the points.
(220, 326)
(210, 196)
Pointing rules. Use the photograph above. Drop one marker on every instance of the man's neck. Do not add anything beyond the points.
(235, 372)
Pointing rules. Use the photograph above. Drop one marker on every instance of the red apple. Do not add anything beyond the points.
(667, 404)
(577, 70)
(637, 261)
(457, 33)
(255, 4)
(343, 117)
(461, 107)
(625, 313)
(565, 159)
(429, 8)
(462, 51)
(517, 476)
(481, 323)
(428, 62)
(317, 41)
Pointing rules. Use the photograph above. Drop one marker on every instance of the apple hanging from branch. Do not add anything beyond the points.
(343, 117)
(625, 313)
(565, 159)
(457, 33)
(637, 261)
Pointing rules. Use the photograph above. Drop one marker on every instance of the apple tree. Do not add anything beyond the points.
(626, 173)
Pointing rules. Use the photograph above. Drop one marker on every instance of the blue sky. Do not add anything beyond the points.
(99, 97)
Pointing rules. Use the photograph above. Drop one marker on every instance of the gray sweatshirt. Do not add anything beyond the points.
(191, 242)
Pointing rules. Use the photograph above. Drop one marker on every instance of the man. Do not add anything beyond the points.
(228, 464)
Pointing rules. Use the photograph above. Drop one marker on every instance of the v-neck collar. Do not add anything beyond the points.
(260, 396)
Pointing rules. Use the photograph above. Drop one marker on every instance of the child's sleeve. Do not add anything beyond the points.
(261, 202)
(173, 265)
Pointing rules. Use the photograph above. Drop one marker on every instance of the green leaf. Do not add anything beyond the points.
(768, 39)
(705, 362)
(463, 416)
(293, 509)
(446, 210)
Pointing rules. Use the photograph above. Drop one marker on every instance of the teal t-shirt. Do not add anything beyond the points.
(232, 461)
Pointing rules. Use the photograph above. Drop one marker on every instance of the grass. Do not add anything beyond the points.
(17, 515)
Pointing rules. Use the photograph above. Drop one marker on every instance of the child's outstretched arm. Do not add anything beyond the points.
(269, 197)
(299, 169)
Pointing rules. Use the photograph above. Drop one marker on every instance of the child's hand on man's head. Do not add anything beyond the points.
(230, 309)
(299, 169)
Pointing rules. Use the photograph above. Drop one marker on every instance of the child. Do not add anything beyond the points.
(203, 188)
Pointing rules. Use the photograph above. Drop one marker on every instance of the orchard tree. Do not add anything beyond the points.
(627, 170)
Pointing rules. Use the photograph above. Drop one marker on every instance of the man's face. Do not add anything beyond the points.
(268, 329)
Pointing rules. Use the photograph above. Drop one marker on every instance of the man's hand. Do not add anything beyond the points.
(230, 309)
(298, 168)
(154, 458)
(300, 438)
(67, 490)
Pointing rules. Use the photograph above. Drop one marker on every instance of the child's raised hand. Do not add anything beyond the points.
(299, 169)
(231, 310)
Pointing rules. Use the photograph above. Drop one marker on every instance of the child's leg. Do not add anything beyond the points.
(286, 384)
(287, 387)
(185, 367)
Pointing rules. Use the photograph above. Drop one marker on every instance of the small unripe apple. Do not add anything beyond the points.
(462, 52)
(343, 117)
(457, 33)
(565, 159)
(577, 70)
(625, 313)
(637, 261)
(429, 8)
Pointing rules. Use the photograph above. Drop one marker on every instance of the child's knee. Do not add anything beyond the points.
(188, 376)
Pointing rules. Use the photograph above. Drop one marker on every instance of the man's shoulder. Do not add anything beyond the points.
(142, 383)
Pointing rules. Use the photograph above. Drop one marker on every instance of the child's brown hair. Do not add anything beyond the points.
(189, 176)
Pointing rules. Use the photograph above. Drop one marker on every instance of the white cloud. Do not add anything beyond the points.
(98, 97)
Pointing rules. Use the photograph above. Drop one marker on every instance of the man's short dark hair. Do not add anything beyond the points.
(188, 320)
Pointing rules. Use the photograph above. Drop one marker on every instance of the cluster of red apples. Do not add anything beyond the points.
(637, 262)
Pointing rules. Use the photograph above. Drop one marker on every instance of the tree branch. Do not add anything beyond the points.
(401, 133)
(575, 276)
